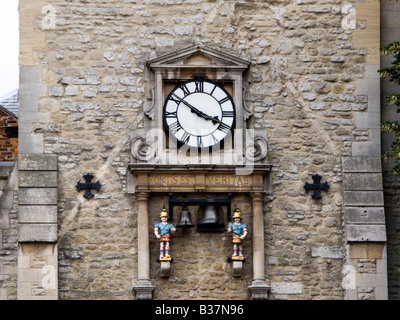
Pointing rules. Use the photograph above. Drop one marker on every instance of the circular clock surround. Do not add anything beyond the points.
(199, 113)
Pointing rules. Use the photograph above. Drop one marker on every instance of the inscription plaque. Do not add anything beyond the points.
(185, 179)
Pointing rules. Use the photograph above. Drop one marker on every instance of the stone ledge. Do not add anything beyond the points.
(364, 215)
(37, 214)
(362, 182)
(37, 179)
(363, 198)
(37, 232)
(37, 162)
(362, 164)
(38, 196)
(365, 233)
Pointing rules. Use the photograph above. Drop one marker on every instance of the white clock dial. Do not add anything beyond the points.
(199, 113)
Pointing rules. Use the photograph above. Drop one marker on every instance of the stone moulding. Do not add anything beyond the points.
(143, 290)
(193, 178)
(259, 290)
(177, 59)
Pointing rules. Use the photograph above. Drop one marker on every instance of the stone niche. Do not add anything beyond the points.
(159, 167)
(150, 143)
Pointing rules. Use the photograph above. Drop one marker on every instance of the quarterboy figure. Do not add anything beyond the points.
(239, 233)
(162, 230)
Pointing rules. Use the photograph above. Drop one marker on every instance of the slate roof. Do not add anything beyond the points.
(10, 102)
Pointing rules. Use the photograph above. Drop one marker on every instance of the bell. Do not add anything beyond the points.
(185, 220)
(209, 221)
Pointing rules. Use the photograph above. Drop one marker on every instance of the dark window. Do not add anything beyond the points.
(12, 132)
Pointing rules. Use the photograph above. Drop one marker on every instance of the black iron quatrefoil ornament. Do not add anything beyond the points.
(88, 185)
(317, 186)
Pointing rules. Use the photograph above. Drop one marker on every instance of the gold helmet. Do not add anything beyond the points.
(164, 213)
(237, 214)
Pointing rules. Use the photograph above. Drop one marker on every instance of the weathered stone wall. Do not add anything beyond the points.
(8, 232)
(302, 86)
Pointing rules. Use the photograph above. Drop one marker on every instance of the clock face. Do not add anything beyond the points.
(199, 113)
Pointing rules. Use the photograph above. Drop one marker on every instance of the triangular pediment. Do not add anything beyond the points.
(198, 56)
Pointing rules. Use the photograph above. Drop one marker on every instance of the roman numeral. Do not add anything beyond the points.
(215, 140)
(170, 114)
(199, 86)
(223, 100)
(185, 138)
(212, 91)
(224, 127)
(175, 127)
(199, 142)
(176, 100)
(227, 114)
(185, 90)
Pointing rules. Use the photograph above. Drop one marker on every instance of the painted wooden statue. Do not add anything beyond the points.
(163, 230)
(239, 232)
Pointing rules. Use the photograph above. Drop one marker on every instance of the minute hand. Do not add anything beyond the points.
(195, 110)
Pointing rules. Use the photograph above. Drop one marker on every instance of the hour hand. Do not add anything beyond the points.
(214, 120)
(192, 109)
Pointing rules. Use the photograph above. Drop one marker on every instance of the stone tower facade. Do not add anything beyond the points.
(94, 75)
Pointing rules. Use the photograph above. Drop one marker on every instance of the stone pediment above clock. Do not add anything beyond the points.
(183, 65)
(198, 57)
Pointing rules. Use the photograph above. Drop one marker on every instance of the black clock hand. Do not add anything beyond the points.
(199, 113)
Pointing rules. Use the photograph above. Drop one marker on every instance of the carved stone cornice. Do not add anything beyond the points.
(194, 178)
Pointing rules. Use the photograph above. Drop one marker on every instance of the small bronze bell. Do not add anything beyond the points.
(209, 221)
(185, 220)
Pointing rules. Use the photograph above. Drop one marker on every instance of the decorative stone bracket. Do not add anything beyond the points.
(147, 147)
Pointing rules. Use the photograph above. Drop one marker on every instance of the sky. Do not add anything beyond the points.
(9, 46)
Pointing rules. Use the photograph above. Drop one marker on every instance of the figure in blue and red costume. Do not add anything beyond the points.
(239, 231)
(162, 230)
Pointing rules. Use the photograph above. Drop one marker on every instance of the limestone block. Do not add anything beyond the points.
(367, 250)
(327, 252)
(37, 162)
(37, 196)
(365, 233)
(369, 148)
(363, 198)
(364, 215)
(286, 287)
(371, 280)
(362, 164)
(37, 214)
(7, 199)
(37, 179)
(4, 220)
(37, 233)
(365, 181)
